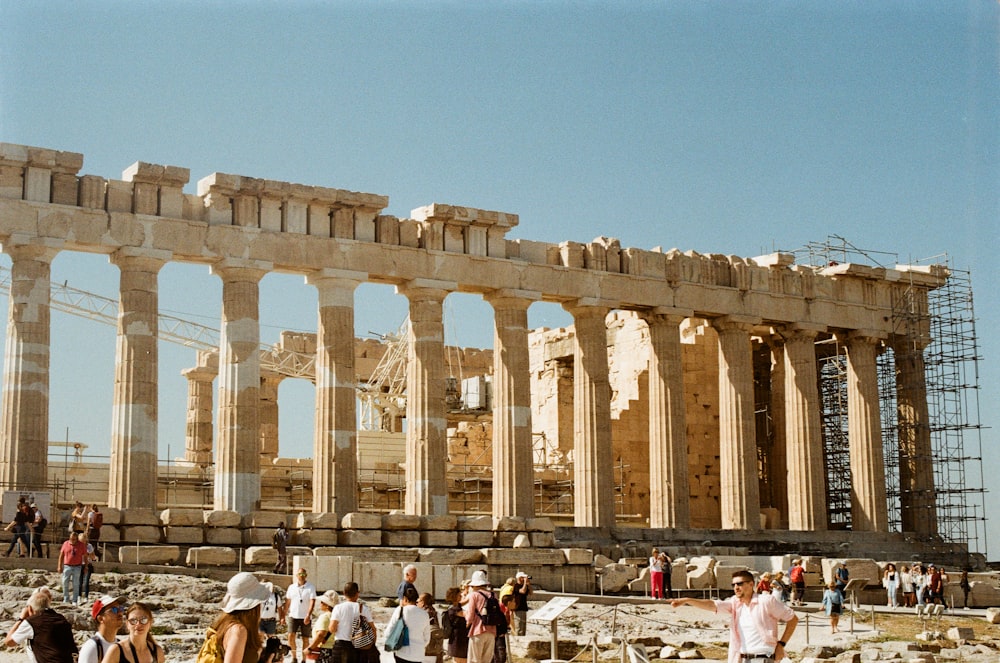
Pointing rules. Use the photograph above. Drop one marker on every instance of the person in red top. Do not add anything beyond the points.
(71, 560)
(481, 637)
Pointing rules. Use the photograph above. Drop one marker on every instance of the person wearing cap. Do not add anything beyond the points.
(238, 626)
(300, 599)
(109, 613)
(522, 592)
(321, 632)
(47, 634)
(481, 637)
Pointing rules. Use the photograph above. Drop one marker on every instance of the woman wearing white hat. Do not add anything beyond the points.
(238, 627)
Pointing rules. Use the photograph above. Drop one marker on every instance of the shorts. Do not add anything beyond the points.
(269, 626)
(299, 626)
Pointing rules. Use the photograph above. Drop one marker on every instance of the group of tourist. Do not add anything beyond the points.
(49, 636)
(26, 527)
(918, 585)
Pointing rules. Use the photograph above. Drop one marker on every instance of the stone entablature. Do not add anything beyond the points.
(297, 222)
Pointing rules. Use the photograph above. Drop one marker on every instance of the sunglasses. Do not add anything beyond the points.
(116, 610)
(740, 584)
(135, 621)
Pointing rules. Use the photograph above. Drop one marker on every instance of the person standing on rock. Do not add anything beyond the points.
(279, 541)
(409, 577)
(47, 634)
(109, 613)
(753, 620)
(300, 599)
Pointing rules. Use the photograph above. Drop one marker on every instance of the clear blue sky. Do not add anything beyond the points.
(723, 127)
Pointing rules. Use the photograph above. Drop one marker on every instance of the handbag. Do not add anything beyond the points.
(362, 631)
(399, 635)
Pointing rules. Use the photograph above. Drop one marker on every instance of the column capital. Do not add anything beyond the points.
(798, 330)
(664, 315)
(200, 373)
(588, 307)
(423, 289)
(512, 298)
(742, 323)
(907, 343)
(32, 248)
(870, 336)
(241, 270)
(323, 276)
(135, 257)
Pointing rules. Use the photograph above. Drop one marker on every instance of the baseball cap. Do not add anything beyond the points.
(102, 603)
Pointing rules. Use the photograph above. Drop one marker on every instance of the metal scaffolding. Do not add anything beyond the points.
(951, 360)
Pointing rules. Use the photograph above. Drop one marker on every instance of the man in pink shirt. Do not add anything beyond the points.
(70, 564)
(481, 636)
(753, 621)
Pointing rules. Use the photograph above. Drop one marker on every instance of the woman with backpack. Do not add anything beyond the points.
(236, 631)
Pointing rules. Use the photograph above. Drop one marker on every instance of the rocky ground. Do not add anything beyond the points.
(184, 606)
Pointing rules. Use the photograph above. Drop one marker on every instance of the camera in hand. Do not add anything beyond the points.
(274, 650)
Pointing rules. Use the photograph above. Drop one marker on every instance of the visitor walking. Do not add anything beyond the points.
(890, 580)
(300, 599)
(833, 604)
(72, 555)
(279, 541)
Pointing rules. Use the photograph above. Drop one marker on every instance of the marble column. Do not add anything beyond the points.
(513, 466)
(593, 456)
(740, 487)
(778, 461)
(198, 428)
(669, 494)
(335, 445)
(918, 508)
(134, 425)
(426, 422)
(268, 414)
(237, 458)
(24, 439)
(869, 512)
(803, 437)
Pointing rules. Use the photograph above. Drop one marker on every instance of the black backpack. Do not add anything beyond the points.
(492, 614)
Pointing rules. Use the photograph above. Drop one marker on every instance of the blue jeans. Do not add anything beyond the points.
(71, 583)
(85, 581)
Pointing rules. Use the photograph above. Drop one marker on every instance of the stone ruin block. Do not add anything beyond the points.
(451, 557)
(257, 536)
(333, 572)
(475, 524)
(148, 554)
(508, 539)
(361, 521)
(184, 535)
(211, 556)
(260, 556)
(443, 523)
(222, 518)
(181, 517)
(993, 615)
(578, 556)
(140, 517)
(360, 537)
(450, 575)
(523, 557)
(614, 577)
(961, 633)
(223, 536)
(509, 524)
(436, 539)
(316, 537)
(306, 520)
(263, 519)
(141, 534)
(543, 539)
(112, 516)
(540, 525)
(407, 539)
(400, 521)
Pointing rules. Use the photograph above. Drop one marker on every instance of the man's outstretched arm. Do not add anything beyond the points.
(703, 604)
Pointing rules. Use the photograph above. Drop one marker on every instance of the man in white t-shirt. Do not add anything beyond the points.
(300, 599)
(109, 613)
(342, 621)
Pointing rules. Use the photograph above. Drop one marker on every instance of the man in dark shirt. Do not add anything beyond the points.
(48, 635)
(409, 577)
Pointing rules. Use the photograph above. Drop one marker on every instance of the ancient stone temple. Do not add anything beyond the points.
(697, 341)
